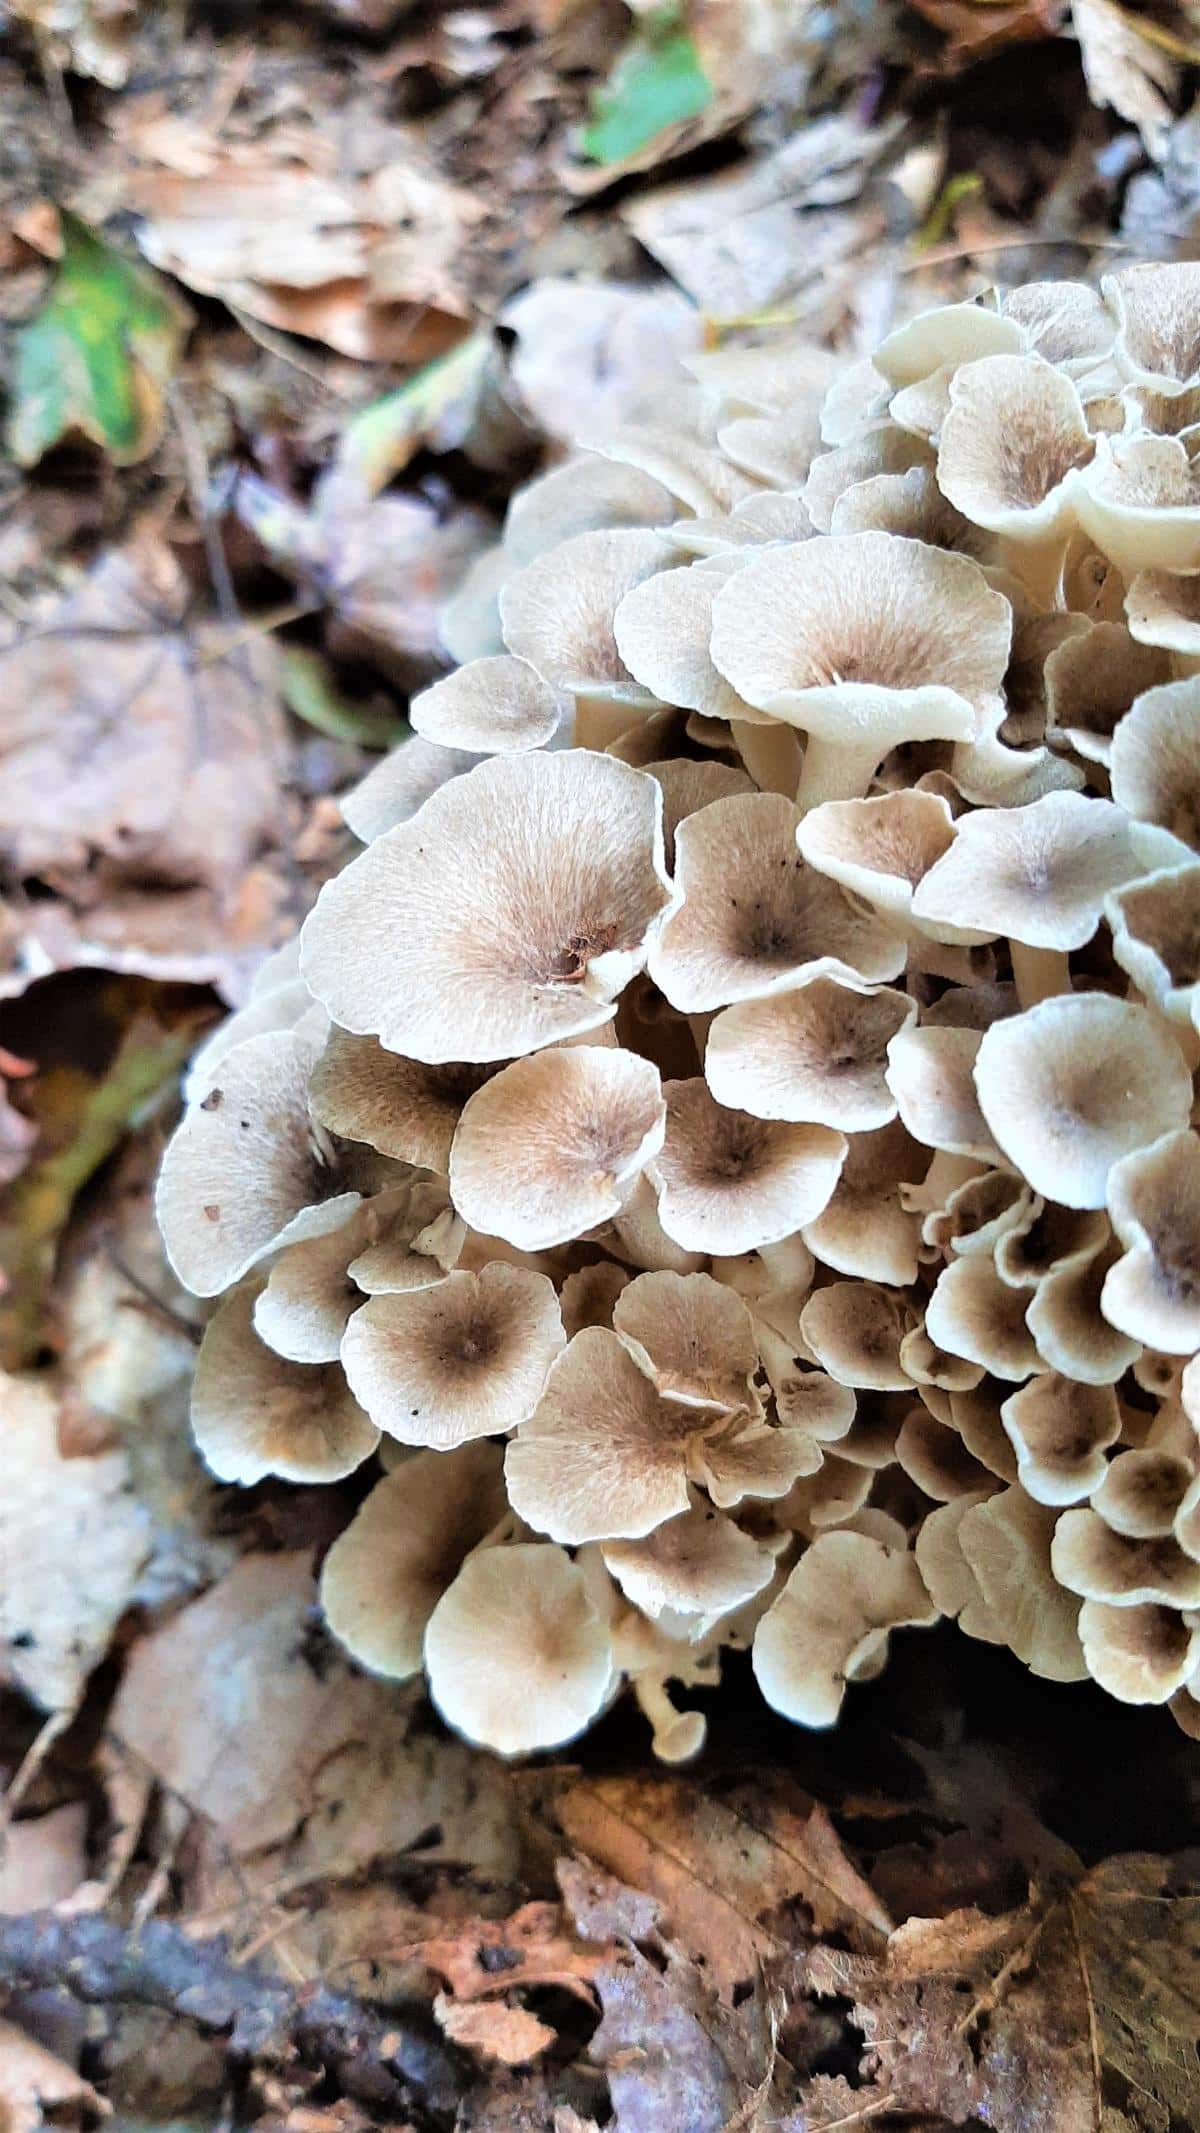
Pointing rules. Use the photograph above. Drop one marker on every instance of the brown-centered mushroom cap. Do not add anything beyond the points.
(1092, 1560)
(465, 1359)
(508, 913)
(693, 1337)
(495, 706)
(1061, 1432)
(1038, 874)
(1092, 678)
(1139, 1654)
(1157, 340)
(1156, 771)
(816, 1053)
(697, 1564)
(255, 1414)
(854, 1330)
(1155, 925)
(973, 1313)
(554, 1143)
(879, 849)
(730, 1183)
(517, 1656)
(400, 1106)
(1013, 445)
(865, 1229)
(558, 612)
(1153, 1292)
(831, 1622)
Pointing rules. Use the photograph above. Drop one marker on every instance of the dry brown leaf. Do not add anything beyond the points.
(367, 258)
(72, 1546)
(1046, 2017)
(587, 351)
(1125, 70)
(739, 1878)
(33, 2081)
(44, 1859)
(488, 1957)
(975, 29)
(495, 2033)
(674, 2054)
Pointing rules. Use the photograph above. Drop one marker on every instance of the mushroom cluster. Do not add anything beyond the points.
(725, 1142)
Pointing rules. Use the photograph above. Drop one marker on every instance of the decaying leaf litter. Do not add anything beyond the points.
(291, 303)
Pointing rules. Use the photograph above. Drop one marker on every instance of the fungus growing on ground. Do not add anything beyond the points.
(735, 1120)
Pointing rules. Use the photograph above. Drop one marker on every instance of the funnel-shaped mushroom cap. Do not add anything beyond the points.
(692, 1336)
(864, 640)
(1065, 1321)
(554, 1144)
(1153, 1293)
(1141, 1492)
(1074, 1084)
(697, 1564)
(831, 1623)
(817, 1053)
(880, 849)
(1065, 322)
(688, 786)
(1164, 610)
(973, 1313)
(303, 1310)
(778, 449)
(495, 706)
(395, 788)
(1061, 1432)
(274, 1007)
(1006, 1545)
(945, 334)
(753, 914)
(1012, 446)
(509, 913)
(254, 1414)
(854, 1330)
(930, 1072)
(604, 1457)
(865, 1229)
(403, 1108)
(910, 504)
(466, 1359)
(729, 1183)
(1156, 937)
(585, 495)
(1156, 770)
(743, 1457)
(1038, 874)
(933, 1455)
(1092, 1560)
(516, 1654)
(558, 611)
(694, 471)
(883, 449)
(1092, 679)
(247, 1171)
(416, 1240)
(1139, 1654)
(1139, 501)
(662, 628)
(385, 1574)
(1158, 324)
(765, 380)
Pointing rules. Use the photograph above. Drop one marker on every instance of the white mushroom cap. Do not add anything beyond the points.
(946, 1572)
(729, 1183)
(465, 1359)
(1156, 937)
(246, 1171)
(1038, 874)
(831, 1622)
(468, 623)
(516, 1654)
(930, 1072)
(910, 504)
(1139, 501)
(1065, 1320)
(1141, 1492)
(693, 1337)
(945, 334)
(816, 1053)
(884, 449)
(1139, 1654)
(254, 1414)
(1164, 609)
(980, 1215)
(1061, 1432)
(554, 1144)
(309, 1295)
(1074, 1084)
(416, 1240)
(1156, 771)
(694, 471)
(508, 913)
(880, 849)
(495, 706)
(662, 630)
(1013, 445)
(973, 1313)
(1006, 1543)
(604, 1456)
(1092, 1560)
(1092, 678)
(1157, 341)
(688, 786)
(753, 915)
(584, 495)
(275, 1007)
(385, 1574)
(806, 1399)
(558, 612)
(854, 1329)
(405, 1109)
(865, 1229)
(1153, 1292)
(864, 640)
(395, 788)
(1066, 322)
(697, 1564)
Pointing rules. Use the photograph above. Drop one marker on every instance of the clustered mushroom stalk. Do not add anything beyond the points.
(725, 1144)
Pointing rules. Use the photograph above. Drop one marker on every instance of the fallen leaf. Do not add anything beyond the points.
(95, 359)
(33, 2081)
(975, 29)
(739, 1877)
(1077, 2012)
(657, 83)
(495, 2033)
(587, 351)
(44, 1859)
(1125, 69)
(91, 37)
(673, 2054)
(488, 1956)
(56, 1516)
(438, 407)
(312, 694)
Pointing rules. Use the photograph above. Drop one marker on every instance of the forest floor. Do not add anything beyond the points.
(241, 1883)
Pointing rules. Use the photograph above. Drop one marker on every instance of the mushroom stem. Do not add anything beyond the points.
(700, 1026)
(1038, 564)
(1039, 973)
(771, 754)
(835, 770)
(946, 1171)
(601, 720)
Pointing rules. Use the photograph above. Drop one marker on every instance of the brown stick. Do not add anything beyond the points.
(385, 2063)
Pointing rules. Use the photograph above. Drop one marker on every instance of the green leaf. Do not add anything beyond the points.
(95, 360)
(657, 82)
(435, 406)
(309, 692)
